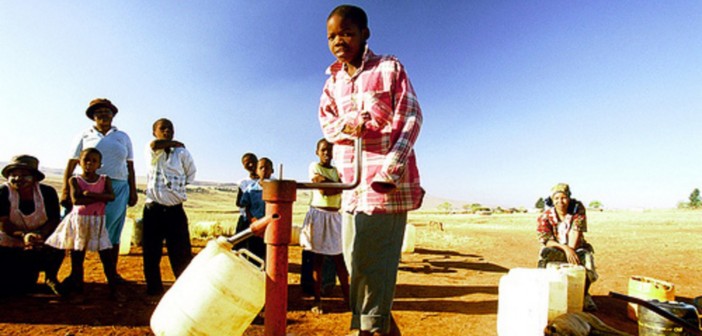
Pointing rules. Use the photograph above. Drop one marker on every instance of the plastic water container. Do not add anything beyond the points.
(125, 239)
(219, 293)
(653, 324)
(529, 298)
(409, 238)
(295, 234)
(576, 284)
(646, 288)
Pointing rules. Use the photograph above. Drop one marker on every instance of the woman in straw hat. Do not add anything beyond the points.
(561, 230)
(29, 213)
(117, 164)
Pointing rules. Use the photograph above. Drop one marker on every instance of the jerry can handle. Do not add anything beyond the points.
(253, 257)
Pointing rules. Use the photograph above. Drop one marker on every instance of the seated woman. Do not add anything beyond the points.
(561, 231)
(29, 213)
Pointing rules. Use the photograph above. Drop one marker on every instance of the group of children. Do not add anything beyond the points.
(320, 234)
(171, 168)
(367, 96)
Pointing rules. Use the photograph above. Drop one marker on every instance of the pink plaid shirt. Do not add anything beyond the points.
(380, 87)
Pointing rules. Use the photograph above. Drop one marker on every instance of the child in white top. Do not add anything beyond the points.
(321, 230)
(83, 229)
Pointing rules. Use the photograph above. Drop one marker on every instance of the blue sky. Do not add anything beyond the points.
(516, 95)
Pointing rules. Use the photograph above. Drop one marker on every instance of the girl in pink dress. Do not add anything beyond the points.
(83, 229)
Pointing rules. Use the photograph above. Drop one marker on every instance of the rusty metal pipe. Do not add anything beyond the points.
(279, 196)
(257, 227)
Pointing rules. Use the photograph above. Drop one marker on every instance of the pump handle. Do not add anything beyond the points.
(338, 185)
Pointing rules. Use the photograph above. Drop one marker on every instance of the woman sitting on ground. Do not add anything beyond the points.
(561, 231)
(29, 213)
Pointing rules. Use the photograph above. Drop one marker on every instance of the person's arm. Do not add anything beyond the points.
(7, 226)
(238, 196)
(77, 196)
(577, 227)
(107, 195)
(131, 176)
(53, 212)
(317, 178)
(405, 111)
(548, 239)
(574, 239)
(163, 144)
(188, 166)
(337, 128)
(66, 189)
(133, 198)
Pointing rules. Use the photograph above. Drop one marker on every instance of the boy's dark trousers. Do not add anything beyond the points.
(169, 223)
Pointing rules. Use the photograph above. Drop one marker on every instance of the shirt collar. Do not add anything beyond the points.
(112, 129)
(338, 66)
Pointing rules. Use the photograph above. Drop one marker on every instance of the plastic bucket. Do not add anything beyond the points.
(125, 238)
(529, 299)
(653, 324)
(295, 234)
(409, 238)
(220, 293)
(648, 289)
(576, 284)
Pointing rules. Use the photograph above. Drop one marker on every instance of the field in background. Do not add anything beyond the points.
(449, 283)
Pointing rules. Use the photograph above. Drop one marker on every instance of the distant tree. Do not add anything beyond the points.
(695, 201)
(446, 206)
(595, 204)
(467, 208)
(540, 203)
(475, 206)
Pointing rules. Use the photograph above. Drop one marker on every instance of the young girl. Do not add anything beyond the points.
(83, 229)
(321, 230)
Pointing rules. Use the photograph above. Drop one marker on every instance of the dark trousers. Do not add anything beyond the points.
(328, 273)
(22, 267)
(167, 223)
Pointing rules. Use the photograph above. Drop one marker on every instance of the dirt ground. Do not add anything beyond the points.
(446, 287)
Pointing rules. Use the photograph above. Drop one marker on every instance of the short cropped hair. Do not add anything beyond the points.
(90, 150)
(267, 161)
(249, 155)
(353, 13)
(153, 127)
(321, 141)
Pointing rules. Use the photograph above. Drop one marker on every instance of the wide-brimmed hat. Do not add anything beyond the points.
(24, 162)
(97, 103)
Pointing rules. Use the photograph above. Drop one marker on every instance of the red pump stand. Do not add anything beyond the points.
(279, 196)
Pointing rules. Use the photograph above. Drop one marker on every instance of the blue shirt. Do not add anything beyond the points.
(252, 199)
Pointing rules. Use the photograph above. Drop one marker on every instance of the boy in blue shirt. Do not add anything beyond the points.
(255, 207)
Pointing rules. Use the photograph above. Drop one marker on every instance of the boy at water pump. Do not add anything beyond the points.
(561, 230)
(171, 169)
(255, 207)
(370, 97)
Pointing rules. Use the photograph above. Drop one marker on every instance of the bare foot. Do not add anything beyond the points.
(317, 308)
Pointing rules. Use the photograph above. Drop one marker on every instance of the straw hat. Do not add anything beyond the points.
(24, 162)
(97, 103)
